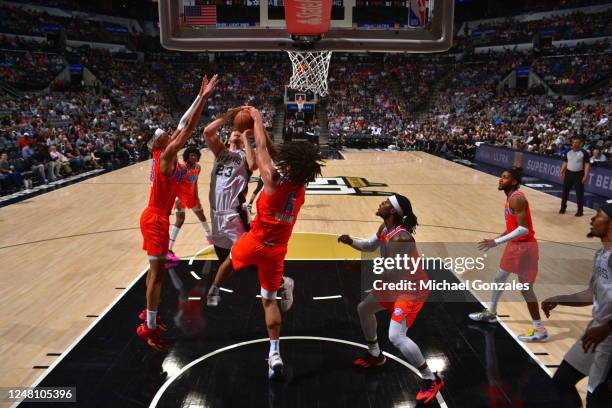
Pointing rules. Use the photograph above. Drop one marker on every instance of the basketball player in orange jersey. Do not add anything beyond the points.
(187, 197)
(395, 238)
(520, 255)
(155, 219)
(265, 245)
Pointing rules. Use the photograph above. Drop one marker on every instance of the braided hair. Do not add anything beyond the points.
(409, 220)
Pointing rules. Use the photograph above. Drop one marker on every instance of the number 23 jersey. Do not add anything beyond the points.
(229, 181)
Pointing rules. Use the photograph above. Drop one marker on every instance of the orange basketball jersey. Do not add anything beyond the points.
(512, 223)
(163, 188)
(188, 180)
(277, 213)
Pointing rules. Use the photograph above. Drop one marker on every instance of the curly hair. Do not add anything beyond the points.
(188, 151)
(300, 162)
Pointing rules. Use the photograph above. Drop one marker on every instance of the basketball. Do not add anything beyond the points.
(243, 121)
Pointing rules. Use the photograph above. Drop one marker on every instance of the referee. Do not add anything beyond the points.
(575, 173)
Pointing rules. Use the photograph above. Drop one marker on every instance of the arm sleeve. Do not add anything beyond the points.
(185, 117)
(517, 233)
(366, 245)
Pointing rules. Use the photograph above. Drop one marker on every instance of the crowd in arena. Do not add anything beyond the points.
(53, 128)
(560, 27)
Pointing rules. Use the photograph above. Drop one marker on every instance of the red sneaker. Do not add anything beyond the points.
(429, 389)
(158, 321)
(369, 360)
(152, 337)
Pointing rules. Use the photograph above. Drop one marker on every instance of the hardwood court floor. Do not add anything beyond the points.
(66, 255)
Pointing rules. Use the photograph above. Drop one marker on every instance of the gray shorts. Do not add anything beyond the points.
(595, 365)
(227, 228)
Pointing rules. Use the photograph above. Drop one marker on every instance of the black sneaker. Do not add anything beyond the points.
(562, 211)
(579, 214)
(369, 360)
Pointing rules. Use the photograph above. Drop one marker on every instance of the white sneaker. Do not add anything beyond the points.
(286, 293)
(275, 366)
(485, 316)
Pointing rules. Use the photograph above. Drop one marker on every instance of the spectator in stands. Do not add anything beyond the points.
(10, 179)
(598, 157)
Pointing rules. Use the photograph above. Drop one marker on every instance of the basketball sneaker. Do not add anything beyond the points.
(286, 293)
(534, 336)
(171, 260)
(152, 337)
(275, 366)
(369, 360)
(158, 321)
(485, 316)
(429, 389)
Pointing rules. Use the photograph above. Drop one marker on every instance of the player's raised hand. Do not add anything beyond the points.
(255, 114)
(208, 85)
(548, 305)
(247, 134)
(345, 239)
(486, 244)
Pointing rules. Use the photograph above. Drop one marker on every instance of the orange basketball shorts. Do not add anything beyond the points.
(521, 258)
(269, 260)
(154, 225)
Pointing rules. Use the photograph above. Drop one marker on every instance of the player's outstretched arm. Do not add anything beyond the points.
(186, 126)
(210, 131)
(584, 298)
(262, 155)
(248, 149)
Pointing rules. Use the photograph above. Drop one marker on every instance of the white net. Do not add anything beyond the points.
(310, 71)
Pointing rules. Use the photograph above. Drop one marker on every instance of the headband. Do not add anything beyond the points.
(156, 135)
(396, 205)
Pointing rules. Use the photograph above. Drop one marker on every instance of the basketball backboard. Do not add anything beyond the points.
(259, 25)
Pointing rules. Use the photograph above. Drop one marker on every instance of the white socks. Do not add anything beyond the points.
(274, 347)
(151, 319)
(537, 324)
(173, 234)
(373, 348)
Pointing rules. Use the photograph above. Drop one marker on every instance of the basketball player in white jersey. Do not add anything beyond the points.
(591, 354)
(229, 180)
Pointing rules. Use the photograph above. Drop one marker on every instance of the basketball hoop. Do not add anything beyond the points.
(310, 70)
